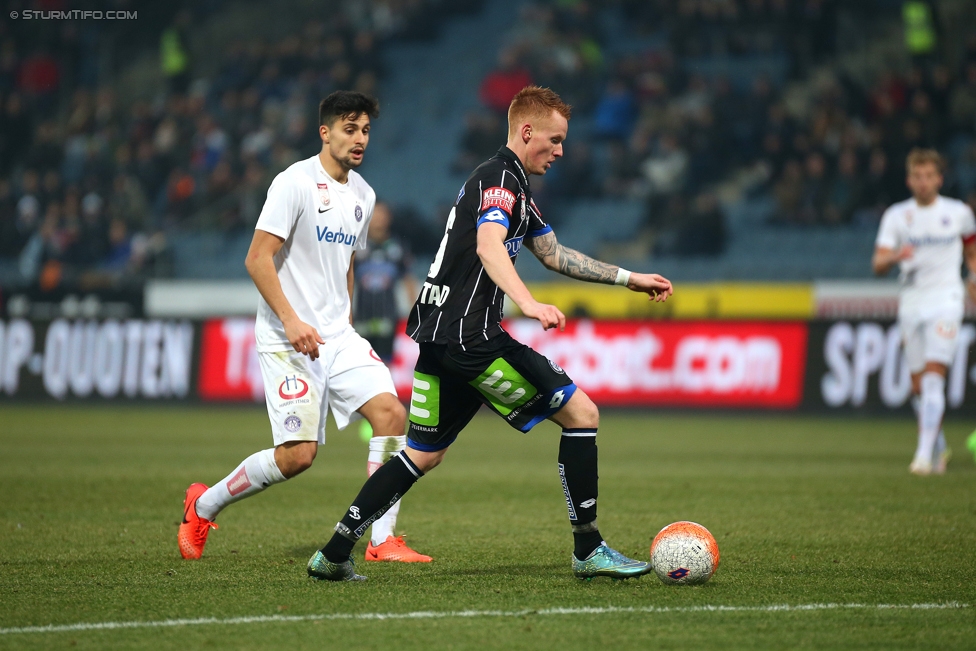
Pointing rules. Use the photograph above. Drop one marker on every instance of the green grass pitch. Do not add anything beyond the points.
(807, 512)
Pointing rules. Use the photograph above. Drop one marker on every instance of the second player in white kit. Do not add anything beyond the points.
(314, 220)
(927, 236)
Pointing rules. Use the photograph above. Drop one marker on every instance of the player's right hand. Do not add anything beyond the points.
(304, 338)
(548, 315)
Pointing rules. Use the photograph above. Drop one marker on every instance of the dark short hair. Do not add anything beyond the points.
(347, 104)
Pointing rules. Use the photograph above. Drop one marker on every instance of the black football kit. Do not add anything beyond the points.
(466, 358)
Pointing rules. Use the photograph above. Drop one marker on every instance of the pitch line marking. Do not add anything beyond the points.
(426, 614)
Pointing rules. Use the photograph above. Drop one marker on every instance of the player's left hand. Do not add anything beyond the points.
(971, 287)
(657, 287)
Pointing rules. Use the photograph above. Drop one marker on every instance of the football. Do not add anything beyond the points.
(684, 553)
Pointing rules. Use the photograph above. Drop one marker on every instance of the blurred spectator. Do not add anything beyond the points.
(616, 112)
(788, 192)
(174, 54)
(15, 132)
(484, 133)
(500, 85)
(702, 232)
(962, 102)
(844, 193)
(665, 169)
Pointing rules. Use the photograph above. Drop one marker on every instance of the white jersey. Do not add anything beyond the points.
(323, 222)
(931, 277)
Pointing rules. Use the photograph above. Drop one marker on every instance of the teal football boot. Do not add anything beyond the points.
(609, 562)
(322, 569)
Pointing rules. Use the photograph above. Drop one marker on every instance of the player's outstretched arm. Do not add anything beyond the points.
(574, 264)
(260, 265)
(499, 267)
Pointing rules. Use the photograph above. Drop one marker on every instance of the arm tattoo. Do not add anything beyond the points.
(571, 263)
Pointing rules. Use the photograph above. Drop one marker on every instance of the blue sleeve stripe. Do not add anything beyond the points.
(495, 216)
(542, 231)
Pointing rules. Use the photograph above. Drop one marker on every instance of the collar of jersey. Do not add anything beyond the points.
(505, 152)
(341, 187)
(932, 206)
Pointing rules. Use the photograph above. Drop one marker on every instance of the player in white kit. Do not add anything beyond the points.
(928, 236)
(313, 222)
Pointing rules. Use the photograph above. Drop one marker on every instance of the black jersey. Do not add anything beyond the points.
(459, 303)
(378, 268)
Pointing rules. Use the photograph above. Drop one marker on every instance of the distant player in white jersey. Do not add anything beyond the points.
(313, 222)
(927, 237)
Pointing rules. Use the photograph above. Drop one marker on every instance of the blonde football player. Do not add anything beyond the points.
(928, 236)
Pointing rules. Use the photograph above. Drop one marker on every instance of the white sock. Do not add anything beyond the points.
(931, 409)
(940, 447)
(940, 441)
(256, 473)
(381, 450)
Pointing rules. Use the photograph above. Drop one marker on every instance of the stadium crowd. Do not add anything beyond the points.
(664, 126)
(91, 183)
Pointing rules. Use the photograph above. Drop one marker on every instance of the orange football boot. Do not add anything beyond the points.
(394, 549)
(194, 530)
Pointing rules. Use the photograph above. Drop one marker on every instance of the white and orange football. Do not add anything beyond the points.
(684, 553)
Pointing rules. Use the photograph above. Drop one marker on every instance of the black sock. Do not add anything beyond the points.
(381, 491)
(578, 471)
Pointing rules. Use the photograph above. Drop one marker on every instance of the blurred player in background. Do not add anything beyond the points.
(381, 270)
(928, 236)
(301, 260)
(468, 360)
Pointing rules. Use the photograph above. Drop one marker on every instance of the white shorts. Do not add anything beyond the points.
(299, 391)
(929, 335)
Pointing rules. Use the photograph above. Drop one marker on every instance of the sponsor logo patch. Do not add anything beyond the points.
(569, 498)
(293, 423)
(324, 194)
(945, 329)
(292, 388)
(513, 246)
(498, 197)
(494, 215)
(336, 237)
(239, 483)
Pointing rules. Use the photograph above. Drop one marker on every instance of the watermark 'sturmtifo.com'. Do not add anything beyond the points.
(73, 14)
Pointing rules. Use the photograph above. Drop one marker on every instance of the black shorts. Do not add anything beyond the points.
(451, 384)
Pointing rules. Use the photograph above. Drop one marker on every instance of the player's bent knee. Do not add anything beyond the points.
(295, 457)
(579, 412)
(385, 414)
(426, 461)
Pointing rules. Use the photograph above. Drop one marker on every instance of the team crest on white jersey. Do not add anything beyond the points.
(324, 193)
(359, 213)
